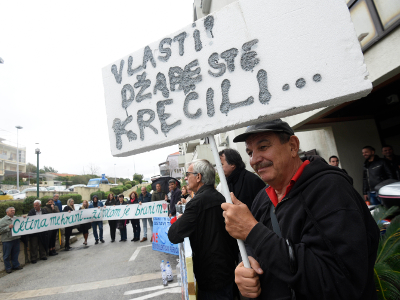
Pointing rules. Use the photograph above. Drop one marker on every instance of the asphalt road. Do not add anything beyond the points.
(120, 270)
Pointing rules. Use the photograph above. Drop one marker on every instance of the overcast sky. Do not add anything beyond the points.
(51, 80)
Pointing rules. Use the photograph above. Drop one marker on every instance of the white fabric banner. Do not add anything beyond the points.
(33, 224)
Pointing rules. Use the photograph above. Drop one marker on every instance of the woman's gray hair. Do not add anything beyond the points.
(37, 201)
(206, 169)
(69, 203)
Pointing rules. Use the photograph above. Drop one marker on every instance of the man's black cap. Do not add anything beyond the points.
(275, 125)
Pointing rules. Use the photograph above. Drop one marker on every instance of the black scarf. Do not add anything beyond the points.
(233, 178)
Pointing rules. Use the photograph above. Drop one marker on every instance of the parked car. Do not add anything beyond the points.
(22, 195)
(71, 188)
(12, 192)
(5, 196)
(56, 188)
(95, 182)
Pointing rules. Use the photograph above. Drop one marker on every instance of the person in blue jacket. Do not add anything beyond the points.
(143, 198)
(57, 202)
(96, 203)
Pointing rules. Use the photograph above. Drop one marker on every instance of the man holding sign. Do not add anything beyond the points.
(309, 234)
(10, 243)
(38, 240)
(214, 251)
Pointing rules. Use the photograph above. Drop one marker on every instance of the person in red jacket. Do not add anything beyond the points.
(309, 234)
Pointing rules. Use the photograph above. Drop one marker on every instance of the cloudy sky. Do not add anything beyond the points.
(51, 80)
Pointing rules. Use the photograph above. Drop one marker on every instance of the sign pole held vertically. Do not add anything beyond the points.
(226, 194)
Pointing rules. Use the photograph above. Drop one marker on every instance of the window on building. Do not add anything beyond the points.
(375, 18)
(388, 11)
(363, 22)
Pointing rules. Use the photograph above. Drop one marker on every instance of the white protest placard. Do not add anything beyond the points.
(45, 222)
(251, 61)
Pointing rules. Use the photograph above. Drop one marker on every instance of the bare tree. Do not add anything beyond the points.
(94, 170)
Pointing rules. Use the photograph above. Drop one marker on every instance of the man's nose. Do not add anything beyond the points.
(255, 158)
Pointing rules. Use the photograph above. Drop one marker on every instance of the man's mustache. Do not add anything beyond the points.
(262, 164)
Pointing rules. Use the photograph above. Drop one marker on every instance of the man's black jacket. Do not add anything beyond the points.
(394, 165)
(245, 185)
(214, 250)
(334, 245)
(32, 212)
(374, 173)
(42, 236)
(175, 198)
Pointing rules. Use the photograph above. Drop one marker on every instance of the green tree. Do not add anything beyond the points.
(49, 169)
(138, 177)
(81, 179)
(217, 179)
(31, 168)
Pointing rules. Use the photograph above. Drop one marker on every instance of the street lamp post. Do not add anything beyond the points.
(115, 176)
(18, 127)
(37, 151)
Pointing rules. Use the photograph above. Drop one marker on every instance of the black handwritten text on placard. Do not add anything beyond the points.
(185, 78)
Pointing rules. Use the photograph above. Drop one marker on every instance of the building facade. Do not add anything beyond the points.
(8, 159)
(171, 166)
(341, 130)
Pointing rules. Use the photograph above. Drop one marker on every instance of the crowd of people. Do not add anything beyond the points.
(375, 170)
(43, 244)
(308, 233)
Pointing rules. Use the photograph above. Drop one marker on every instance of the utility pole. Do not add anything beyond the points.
(18, 127)
(37, 151)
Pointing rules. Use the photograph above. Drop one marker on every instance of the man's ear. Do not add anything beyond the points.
(198, 179)
(294, 144)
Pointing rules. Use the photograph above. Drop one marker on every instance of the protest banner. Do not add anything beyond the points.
(33, 224)
(251, 61)
(161, 242)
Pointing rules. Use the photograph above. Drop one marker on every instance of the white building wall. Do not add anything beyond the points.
(383, 59)
(322, 140)
(174, 169)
